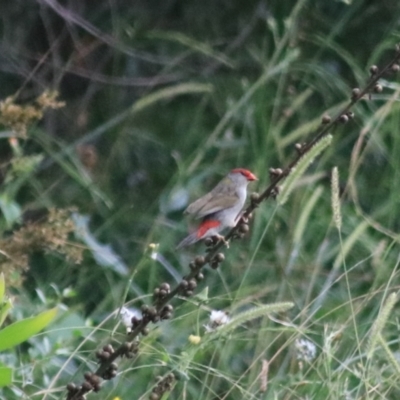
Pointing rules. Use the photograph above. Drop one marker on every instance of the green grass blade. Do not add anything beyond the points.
(380, 323)
(193, 44)
(305, 215)
(301, 167)
(167, 93)
(253, 313)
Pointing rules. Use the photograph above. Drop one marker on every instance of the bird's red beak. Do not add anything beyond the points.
(251, 177)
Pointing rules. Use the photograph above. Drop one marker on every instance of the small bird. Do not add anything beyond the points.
(221, 207)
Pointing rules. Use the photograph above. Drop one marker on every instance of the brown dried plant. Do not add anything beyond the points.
(49, 235)
(18, 117)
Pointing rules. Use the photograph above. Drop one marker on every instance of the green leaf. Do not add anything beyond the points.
(5, 376)
(4, 308)
(20, 331)
(203, 295)
(2, 287)
(10, 209)
(5, 303)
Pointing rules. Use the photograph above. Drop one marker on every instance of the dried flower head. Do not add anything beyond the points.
(18, 117)
(305, 350)
(217, 319)
(337, 216)
(48, 99)
(194, 339)
(49, 235)
(153, 247)
(127, 315)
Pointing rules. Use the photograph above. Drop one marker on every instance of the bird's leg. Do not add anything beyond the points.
(245, 219)
(242, 216)
(220, 238)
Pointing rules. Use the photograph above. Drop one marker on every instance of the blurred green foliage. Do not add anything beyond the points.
(161, 100)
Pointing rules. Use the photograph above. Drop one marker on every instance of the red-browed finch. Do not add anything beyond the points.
(221, 207)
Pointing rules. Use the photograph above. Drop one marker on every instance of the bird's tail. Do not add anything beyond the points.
(192, 238)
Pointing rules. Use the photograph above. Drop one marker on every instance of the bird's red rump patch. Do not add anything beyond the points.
(245, 172)
(205, 226)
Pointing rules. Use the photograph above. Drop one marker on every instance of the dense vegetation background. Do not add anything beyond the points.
(161, 100)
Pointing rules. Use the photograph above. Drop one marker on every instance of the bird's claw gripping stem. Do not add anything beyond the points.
(220, 238)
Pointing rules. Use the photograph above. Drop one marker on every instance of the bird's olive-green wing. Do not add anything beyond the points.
(221, 197)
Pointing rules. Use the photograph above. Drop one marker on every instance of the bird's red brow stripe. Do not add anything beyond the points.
(205, 226)
(245, 172)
